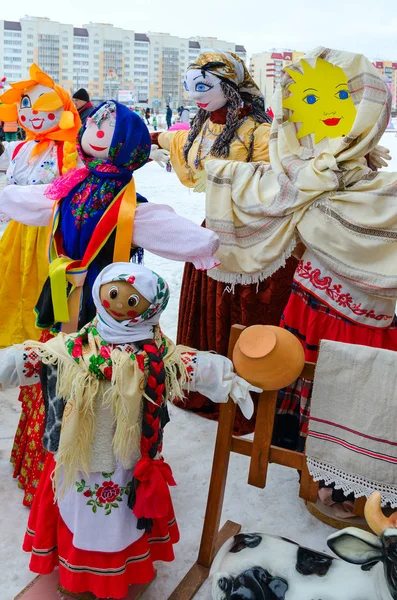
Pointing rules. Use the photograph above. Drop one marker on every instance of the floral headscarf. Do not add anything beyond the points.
(150, 285)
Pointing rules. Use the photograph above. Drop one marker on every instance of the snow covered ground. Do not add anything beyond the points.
(189, 442)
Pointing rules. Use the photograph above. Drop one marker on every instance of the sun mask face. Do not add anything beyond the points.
(122, 301)
(97, 138)
(37, 121)
(204, 89)
(321, 101)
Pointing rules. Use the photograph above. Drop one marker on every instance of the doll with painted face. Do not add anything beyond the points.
(103, 501)
(96, 218)
(320, 198)
(51, 122)
(231, 124)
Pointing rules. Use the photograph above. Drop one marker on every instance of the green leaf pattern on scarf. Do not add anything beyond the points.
(100, 363)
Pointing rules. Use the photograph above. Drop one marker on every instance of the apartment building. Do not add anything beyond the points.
(266, 67)
(108, 61)
(388, 70)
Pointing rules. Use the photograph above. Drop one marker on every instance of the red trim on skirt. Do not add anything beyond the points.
(311, 321)
(105, 574)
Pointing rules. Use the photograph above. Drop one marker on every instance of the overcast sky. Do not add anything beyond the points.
(367, 26)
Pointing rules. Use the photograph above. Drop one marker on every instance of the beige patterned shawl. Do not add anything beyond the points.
(325, 193)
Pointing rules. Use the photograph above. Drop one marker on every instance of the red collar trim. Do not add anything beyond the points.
(219, 116)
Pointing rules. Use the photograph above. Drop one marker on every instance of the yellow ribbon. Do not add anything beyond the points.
(125, 225)
(58, 281)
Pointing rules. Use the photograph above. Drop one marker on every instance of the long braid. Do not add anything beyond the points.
(197, 125)
(221, 146)
(153, 419)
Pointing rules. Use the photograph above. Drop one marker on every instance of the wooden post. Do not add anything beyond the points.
(262, 439)
(220, 465)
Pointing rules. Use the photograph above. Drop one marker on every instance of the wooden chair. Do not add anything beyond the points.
(261, 452)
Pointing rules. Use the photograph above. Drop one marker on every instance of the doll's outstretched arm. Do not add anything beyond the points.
(18, 366)
(27, 204)
(212, 375)
(160, 230)
(6, 150)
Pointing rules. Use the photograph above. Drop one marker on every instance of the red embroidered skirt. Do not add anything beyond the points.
(105, 574)
(28, 455)
(207, 311)
(311, 321)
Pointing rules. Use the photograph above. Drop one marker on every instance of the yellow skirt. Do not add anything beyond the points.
(23, 271)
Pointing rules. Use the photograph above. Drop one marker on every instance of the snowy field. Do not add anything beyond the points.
(188, 447)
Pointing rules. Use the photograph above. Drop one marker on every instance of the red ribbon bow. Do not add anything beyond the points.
(153, 499)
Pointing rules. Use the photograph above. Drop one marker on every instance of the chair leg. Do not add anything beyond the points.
(359, 505)
(262, 439)
(216, 491)
(308, 489)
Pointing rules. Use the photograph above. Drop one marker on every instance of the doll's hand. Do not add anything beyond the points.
(201, 181)
(160, 156)
(240, 394)
(378, 156)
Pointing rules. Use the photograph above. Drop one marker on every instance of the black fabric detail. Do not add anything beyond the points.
(254, 584)
(245, 540)
(54, 407)
(145, 524)
(369, 566)
(309, 562)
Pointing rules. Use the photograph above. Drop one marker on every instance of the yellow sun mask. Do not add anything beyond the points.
(321, 101)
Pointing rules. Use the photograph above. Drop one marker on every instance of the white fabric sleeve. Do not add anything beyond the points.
(160, 230)
(26, 204)
(214, 378)
(17, 367)
(5, 158)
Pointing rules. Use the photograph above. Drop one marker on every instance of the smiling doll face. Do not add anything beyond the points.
(204, 89)
(97, 138)
(122, 301)
(320, 100)
(37, 121)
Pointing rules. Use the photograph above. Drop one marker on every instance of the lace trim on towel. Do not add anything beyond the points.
(351, 484)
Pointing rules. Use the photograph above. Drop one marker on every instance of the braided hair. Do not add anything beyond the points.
(154, 418)
(234, 101)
